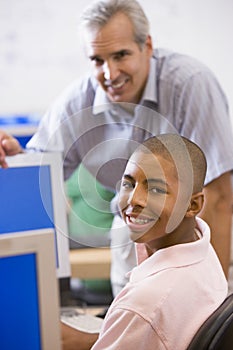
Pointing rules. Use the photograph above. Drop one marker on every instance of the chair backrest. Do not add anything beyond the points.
(216, 333)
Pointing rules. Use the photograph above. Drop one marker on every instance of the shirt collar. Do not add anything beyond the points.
(174, 256)
(101, 101)
(150, 91)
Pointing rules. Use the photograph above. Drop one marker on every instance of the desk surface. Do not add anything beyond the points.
(90, 263)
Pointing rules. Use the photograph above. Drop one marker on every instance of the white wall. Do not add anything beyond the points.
(201, 28)
(40, 53)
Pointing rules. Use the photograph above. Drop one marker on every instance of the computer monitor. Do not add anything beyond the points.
(32, 196)
(29, 317)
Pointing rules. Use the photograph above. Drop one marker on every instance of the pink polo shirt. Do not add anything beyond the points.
(169, 295)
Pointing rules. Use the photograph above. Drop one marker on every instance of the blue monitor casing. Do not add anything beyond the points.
(29, 317)
(33, 197)
(24, 208)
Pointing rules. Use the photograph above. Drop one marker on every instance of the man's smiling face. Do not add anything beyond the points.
(120, 66)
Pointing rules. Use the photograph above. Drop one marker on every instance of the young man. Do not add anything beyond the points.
(179, 281)
(133, 92)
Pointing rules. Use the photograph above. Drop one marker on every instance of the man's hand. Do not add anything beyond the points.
(9, 146)
(73, 339)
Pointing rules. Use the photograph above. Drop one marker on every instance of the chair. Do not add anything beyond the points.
(216, 333)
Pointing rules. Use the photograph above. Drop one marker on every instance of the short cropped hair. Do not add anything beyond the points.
(188, 157)
(98, 14)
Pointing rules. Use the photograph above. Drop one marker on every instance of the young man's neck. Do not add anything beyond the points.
(185, 233)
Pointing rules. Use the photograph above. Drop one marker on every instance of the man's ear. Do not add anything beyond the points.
(196, 204)
(149, 45)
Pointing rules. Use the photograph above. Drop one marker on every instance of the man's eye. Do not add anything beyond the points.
(97, 61)
(120, 55)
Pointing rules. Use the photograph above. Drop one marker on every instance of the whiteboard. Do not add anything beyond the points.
(40, 51)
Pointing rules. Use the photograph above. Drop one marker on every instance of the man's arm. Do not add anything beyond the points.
(9, 146)
(217, 212)
(73, 339)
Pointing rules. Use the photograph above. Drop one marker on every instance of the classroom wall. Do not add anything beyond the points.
(40, 52)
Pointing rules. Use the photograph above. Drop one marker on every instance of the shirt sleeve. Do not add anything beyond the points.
(125, 329)
(55, 134)
(61, 125)
(205, 120)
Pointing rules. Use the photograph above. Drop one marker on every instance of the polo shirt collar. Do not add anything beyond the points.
(175, 256)
(101, 101)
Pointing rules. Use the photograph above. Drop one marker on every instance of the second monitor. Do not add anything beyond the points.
(33, 197)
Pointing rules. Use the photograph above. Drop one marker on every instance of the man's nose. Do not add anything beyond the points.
(110, 70)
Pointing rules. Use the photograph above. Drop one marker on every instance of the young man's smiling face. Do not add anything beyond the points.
(120, 66)
(148, 197)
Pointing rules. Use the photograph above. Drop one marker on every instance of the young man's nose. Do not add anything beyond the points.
(138, 197)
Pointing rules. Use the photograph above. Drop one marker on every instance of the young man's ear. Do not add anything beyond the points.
(196, 204)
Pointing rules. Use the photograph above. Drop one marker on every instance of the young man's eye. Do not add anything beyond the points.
(158, 190)
(126, 184)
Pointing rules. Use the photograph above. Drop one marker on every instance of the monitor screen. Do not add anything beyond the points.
(29, 317)
(34, 198)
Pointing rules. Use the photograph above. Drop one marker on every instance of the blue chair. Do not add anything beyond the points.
(216, 333)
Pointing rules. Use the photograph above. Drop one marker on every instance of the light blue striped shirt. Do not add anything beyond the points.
(181, 95)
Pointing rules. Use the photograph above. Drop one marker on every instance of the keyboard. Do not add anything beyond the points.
(81, 321)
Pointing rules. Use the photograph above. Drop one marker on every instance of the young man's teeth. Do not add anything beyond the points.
(139, 221)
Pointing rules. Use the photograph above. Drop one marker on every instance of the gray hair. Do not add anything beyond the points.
(95, 16)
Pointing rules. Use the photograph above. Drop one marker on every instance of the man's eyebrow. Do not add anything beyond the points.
(94, 57)
(119, 52)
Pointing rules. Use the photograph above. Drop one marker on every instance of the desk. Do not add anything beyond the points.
(90, 263)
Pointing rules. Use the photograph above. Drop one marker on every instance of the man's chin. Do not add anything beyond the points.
(116, 98)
